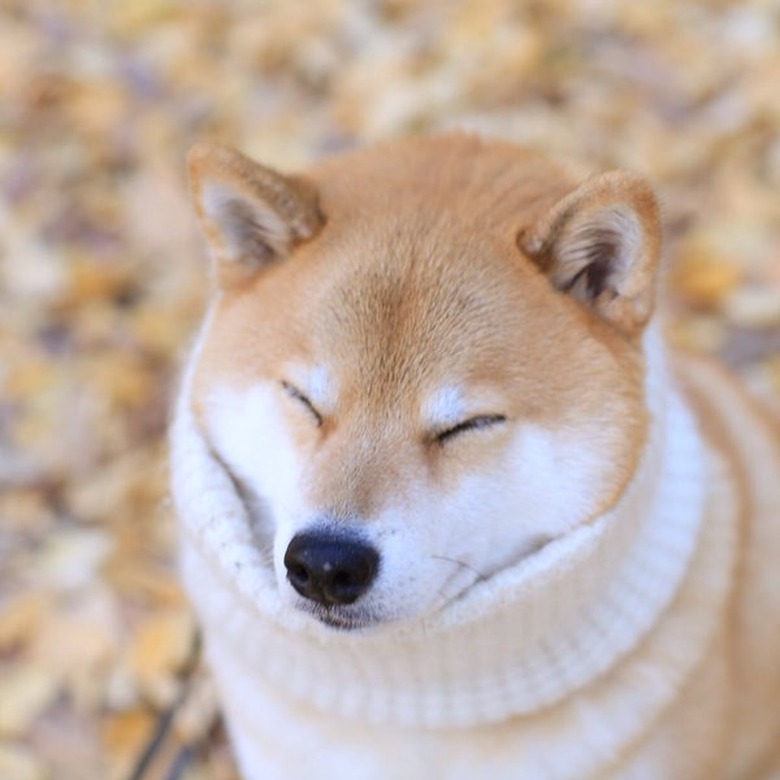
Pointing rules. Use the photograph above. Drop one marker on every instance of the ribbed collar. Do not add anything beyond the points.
(520, 641)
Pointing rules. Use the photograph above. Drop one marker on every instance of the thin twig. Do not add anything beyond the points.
(164, 722)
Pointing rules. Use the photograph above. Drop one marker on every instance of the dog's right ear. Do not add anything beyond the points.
(251, 215)
(600, 244)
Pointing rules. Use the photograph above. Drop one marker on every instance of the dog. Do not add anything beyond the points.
(449, 506)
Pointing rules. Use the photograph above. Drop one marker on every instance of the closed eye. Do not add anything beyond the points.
(472, 424)
(297, 395)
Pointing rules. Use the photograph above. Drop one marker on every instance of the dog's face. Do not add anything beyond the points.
(408, 400)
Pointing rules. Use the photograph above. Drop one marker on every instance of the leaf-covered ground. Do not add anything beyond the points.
(103, 274)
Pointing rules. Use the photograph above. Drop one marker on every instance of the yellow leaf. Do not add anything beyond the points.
(157, 330)
(79, 642)
(93, 278)
(27, 378)
(124, 737)
(19, 763)
(20, 618)
(134, 576)
(161, 647)
(71, 558)
(754, 307)
(97, 107)
(705, 279)
(702, 334)
(27, 690)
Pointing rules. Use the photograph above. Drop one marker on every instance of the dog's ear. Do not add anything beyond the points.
(251, 215)
(601, 244)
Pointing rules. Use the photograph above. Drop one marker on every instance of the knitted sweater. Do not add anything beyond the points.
(509, 654)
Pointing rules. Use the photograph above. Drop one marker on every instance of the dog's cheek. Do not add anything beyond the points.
(555, 477)
(400, 587)
(425, 553)
(543, 485)
(248, 433)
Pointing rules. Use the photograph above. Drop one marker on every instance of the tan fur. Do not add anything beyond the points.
(403, 269)
(389, 214)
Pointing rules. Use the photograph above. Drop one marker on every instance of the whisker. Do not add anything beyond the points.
(266, 553)
(480, 576)
(266, 560)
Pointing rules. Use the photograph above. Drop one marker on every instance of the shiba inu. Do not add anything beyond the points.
(449, 506)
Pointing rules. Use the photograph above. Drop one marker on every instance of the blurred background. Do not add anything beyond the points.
(103, 274)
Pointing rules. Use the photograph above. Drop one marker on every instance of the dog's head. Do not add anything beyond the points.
(423, 362)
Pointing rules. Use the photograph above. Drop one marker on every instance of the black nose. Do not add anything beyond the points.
(330, 569)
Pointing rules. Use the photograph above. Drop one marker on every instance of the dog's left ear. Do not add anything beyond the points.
(601, 244)
(251, 215)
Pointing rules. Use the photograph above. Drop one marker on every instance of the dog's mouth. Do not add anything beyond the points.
(357, 617)
(341, 618)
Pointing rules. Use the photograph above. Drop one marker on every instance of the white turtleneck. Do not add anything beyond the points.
(515, 645)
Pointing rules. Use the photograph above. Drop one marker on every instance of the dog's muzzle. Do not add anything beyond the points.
(330, 569)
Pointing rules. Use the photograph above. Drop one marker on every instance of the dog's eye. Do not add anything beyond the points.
(475, 423)
(295, 393)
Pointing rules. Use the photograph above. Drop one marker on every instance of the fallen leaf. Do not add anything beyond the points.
(72, 558)
(20, 618)
(19, 763)
(162, 644)
(124, 736)
(27, 690)
(704, 280)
